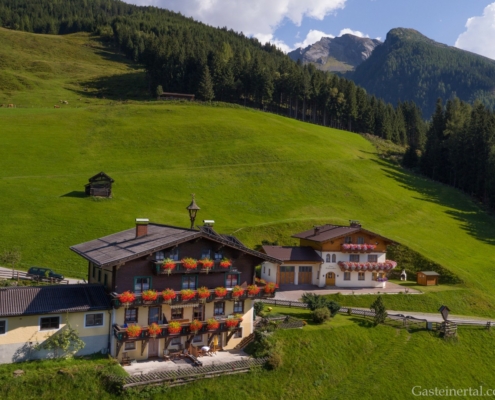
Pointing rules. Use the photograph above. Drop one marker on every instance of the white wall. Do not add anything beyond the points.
(269, 272)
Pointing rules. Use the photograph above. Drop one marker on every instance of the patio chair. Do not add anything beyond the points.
(166, 355)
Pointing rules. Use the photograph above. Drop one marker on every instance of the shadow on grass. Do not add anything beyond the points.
(463, 209)
(129, 86)
(75, 193)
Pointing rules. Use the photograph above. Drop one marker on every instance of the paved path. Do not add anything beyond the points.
(22, 274)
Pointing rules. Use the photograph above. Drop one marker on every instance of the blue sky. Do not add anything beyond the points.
(293, 23)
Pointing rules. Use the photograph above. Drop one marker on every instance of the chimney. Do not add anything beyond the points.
(317, 230)
(141, 227)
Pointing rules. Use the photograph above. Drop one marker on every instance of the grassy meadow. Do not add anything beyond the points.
(258, 175)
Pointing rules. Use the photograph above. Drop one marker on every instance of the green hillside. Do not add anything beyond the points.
(258, 175)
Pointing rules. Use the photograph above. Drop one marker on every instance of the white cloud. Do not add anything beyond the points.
(269, 38)
(312, 37)
(479, 34)
(253, 17)
(355, 33)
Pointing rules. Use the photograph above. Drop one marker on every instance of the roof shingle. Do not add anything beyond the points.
(292, 253)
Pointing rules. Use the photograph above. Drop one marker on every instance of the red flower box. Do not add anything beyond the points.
(253, 290)
(195, 326)
(168, 294)
(270, 287)
(237, 291)
(220, 291)
(187, 294)
(174, 328)
(126, 297)
(189, 263)
(225, 263)
(134, 331)
(154, 329)
(232, 322)
(168, 265)
(203, 292)
(149, 295)
(206, 263)
(212, 324)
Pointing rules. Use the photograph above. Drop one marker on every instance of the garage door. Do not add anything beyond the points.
(305, 275)
(286, 275)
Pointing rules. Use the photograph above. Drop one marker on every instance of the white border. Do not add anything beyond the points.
(94, 326)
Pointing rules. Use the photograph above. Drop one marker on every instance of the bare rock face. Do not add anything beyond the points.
(338, 54)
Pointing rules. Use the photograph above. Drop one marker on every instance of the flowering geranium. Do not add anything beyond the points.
(212, 324)
(195, 325)
(154, 329)
(232, 322)
(127, 297)
(134, 331)
(270, 287)
(168, 294)
(174, 327)
(225, 263)
(203, 292)
(187, 294)
(253, 290)
(168, 265)
(189, 263)
(260, 281)
(206, 263)
(149, 295)
(237, 291)
(220, 291)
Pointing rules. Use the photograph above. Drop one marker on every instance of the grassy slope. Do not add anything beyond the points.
(258, 175)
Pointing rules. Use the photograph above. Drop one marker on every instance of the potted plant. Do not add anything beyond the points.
(126, 298)
(168, 265)
(154, 330)
(189, 263)
(168, 295)
(270, 287)
(253, 290)
(195, 326)
(206, 264)
(203, 293)
(149, 295)
(237, 291)
(187, 294)
(232, 323)
(220, 291)
(174, 327)
(225, 263)
(134, 331)
(212, 324)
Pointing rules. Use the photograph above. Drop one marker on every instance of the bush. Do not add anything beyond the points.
(258, 308)
(274, 360)
(321, 315)
(380, 312)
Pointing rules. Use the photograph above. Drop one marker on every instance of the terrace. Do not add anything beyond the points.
(357, 248)
(177, 267)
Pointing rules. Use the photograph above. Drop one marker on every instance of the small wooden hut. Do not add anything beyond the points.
(99, 185)
(427, 278)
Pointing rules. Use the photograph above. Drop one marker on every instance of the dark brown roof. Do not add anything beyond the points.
(328, 232)
(101, 176)
(292, 253)
(124, 246)
(54, 299)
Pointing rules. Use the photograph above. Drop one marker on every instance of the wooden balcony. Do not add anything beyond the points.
(156, 266)
(358, 248)
(139, 302)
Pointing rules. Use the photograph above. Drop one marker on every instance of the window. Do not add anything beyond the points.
(189, 282)
(198, 338)
(205, 253)
(305, 269)
(238, 333)
(354, 257)
(176, 341)
(94, 320)
(131, 315)
(347, 276)
(360, 240)
(219, 308)
(334, 258)
(3, 327)
(348, 239)
(233, 279)
(174, 254)
(264, 269)
(99, 275)
(218, 255)
(199, 312)
(159, 255)
(239, 307)
(328, 258)
(269, 271)
(372, 258)
(287, 269)
(130, 346)
(374, 275)
(177, 313)
(360, 276)
(142, 283)
(48, 323)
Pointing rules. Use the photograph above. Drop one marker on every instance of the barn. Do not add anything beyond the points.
(427, 278)
(99, 185)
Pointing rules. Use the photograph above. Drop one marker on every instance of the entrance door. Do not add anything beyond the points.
(305, 275)
(154, 315)
(287, 275)
(153, 348)
(330, 281)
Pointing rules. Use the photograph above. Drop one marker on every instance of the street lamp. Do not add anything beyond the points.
(193, 209)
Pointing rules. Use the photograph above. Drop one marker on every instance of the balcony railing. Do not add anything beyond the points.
(178, 299)
(120, 332)
(357, 248)
(180, 269)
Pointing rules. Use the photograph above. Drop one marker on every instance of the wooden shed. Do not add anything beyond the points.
(99, 185)
(427, 278)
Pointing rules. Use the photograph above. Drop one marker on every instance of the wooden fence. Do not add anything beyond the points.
(21, 275)
(186, 375)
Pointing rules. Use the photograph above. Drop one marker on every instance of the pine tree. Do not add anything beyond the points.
(205, 89)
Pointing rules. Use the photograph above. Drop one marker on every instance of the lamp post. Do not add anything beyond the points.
(193, 209)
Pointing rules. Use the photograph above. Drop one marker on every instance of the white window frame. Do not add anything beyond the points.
(94, 326)
(6, 326)
(50, 316)
(239, 333)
